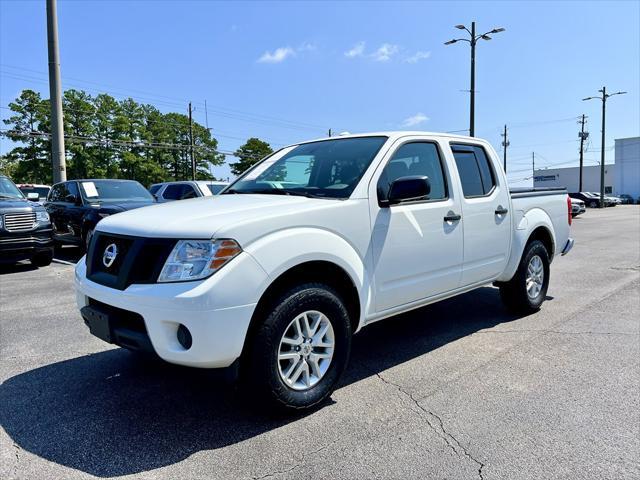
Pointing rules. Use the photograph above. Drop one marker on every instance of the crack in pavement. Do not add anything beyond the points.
(452, 442)
(290, 469)
(17, 450)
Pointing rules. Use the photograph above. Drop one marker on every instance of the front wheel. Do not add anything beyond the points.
(87, 239)
(526, 291)
(300, 349)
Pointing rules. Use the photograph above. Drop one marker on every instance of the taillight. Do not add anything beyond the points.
(569, 209)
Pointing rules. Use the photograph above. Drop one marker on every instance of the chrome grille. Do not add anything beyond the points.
(19, 222)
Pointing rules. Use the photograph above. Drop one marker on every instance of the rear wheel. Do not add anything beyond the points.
(526, 291)
(593, 204)
(301, 348)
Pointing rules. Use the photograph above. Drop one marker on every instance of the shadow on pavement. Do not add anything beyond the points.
(107, 414)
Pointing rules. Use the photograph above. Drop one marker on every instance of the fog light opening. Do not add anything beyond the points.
(184, 337)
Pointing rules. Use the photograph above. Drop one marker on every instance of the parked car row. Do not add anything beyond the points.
(592, 199)
(35, 218)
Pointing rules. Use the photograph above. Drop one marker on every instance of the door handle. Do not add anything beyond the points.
(501, 210)
(452, 217)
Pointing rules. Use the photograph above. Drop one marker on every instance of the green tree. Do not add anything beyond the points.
(106, 138)
(28, 126)
(249, 154)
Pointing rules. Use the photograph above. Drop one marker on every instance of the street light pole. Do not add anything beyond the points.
(472, 93)
(472, 40)
(603, 99)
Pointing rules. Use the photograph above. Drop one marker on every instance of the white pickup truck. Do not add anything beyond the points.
(311, 245)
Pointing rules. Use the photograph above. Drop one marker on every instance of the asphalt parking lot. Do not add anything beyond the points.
(460, 389)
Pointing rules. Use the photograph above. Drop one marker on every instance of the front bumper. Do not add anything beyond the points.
(21, 245)
(216, 311)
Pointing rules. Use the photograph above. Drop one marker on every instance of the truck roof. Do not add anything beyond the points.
(393, 134)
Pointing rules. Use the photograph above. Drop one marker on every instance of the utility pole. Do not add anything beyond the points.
(330, 132)
(533, 166)
(472, 40)
(193, 158)
(603, 98)
(55, 95)
(583, 136)
(505, 144)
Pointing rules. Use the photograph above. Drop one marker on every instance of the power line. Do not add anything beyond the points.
(123, 143)
(220, 111)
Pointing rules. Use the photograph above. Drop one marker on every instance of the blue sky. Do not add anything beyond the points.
(288, 71)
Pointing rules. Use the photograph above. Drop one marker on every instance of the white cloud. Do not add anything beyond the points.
(277, 56)
(356, 51)
(415, 58)
(414, 120)
(385, 52)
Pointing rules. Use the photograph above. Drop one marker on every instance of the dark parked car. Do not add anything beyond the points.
(627, 199)
(25, 229)
(76, 206)
(591, 199)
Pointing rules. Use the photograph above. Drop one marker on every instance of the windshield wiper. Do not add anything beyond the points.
(8, 196)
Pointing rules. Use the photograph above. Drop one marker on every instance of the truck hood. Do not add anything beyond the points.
(203, 217)
(7, 204)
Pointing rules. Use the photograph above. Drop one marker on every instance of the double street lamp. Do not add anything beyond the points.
(603, 99)
(472, 40)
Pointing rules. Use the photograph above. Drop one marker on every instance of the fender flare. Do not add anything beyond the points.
(524, 228)
(309, 244)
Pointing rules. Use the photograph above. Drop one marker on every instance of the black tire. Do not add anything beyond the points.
(86, 240)
(42, 259)
(259, 374)
(593, 204)
(514, 292)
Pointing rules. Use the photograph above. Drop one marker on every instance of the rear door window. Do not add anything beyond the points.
(475, 172)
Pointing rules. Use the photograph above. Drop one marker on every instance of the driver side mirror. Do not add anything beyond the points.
(415, 187)
(33, 197)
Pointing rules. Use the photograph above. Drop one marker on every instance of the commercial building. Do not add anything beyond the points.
(627, 175)
(621, 177)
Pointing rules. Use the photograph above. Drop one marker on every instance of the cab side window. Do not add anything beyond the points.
(70, 188)
(56, 193)
(187, 192)
(172, 192)
(475, 172)
(415, 158)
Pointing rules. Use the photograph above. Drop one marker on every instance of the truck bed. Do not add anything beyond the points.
(521, 192)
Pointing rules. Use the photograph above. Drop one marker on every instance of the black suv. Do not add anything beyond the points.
(25, 229)
(76, 206)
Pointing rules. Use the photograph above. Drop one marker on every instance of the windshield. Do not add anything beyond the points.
(8, 189)
(215, 188)
(114, 191)
(328, 168)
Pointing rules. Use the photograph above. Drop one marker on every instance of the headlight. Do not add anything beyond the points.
(102, 215)
(197, 259)
(42, 217)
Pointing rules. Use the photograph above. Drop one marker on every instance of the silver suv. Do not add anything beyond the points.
(169, 191)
